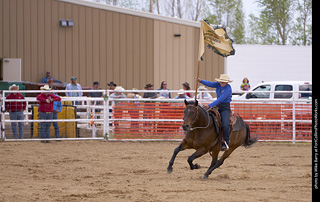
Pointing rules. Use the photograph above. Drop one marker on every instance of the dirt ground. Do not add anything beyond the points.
(135, 171)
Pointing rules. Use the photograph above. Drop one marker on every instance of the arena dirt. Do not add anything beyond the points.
(116, 171)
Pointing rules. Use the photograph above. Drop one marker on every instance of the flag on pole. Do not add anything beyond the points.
(217, 39)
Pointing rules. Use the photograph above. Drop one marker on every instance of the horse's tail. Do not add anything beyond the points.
(249, 141)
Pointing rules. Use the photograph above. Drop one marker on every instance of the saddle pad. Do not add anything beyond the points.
(215, 122)
(238, 124)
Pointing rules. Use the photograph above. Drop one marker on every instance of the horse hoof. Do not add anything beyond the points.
(169, 171)
(197, 166)
(204, 177)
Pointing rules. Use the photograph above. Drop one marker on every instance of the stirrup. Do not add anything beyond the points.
(226, 148)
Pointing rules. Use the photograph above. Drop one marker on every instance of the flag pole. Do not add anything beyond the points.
(197, 82)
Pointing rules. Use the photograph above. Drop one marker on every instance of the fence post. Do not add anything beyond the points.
(106, 116)
(3, 117)
(293, 122)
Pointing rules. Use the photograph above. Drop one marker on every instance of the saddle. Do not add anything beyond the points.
(236, 122)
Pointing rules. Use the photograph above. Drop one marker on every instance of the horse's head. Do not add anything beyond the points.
(190, 115)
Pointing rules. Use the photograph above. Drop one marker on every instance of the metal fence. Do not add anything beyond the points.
(144, 119)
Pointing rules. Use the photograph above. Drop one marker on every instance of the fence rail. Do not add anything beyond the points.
(157, 119)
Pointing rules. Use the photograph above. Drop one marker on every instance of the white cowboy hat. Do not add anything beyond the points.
(14, 85)
(119, 88)
(224, 78)
(202, 88)
(45, 87)
(181, 93)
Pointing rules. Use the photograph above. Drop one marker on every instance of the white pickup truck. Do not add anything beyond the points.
(268, 91)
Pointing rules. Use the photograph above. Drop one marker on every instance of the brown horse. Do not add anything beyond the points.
(201, 135)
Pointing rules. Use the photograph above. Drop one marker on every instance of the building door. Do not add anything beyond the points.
(10, 69)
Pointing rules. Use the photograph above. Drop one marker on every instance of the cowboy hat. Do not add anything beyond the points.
(14, 85)
(119, 88)
(45, 87)
(202, 88)
(181, 93)
(224, 78)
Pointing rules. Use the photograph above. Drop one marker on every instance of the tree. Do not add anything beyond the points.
(278, 14)
(302, 30)
(228, 13)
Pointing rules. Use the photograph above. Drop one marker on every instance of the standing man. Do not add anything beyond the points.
(57, 108)
(224, 94)
(74, 86)
(96, 94)
(45, 109)
(15, 110)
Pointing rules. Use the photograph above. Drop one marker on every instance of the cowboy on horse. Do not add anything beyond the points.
(224, 94)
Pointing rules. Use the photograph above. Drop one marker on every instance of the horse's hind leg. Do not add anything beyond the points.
(195, 155)
(225, 155)
(181, 147)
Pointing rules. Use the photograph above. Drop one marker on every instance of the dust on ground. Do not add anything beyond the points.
(135, 171)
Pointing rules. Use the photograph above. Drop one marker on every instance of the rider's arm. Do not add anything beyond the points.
(210, 84)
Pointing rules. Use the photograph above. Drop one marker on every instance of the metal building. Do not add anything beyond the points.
(99, 42)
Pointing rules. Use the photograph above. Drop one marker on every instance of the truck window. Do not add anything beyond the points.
(262, 95)
(307, 87)
(283, 88)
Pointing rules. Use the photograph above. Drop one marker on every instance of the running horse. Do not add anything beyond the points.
(201, 135)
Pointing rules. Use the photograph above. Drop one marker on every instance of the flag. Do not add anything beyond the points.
(201, 43)
(217, 39)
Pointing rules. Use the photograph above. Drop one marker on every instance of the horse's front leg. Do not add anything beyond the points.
(218, 163)
(181, 147)
(195, 155)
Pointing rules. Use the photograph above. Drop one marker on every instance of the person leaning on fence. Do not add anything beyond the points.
(15, 110)
(45, 109)
(182, 95)
(204, 95)
(163, 89)
(57, 108)
(95, 94)
(118, 111)
(186, 86)
(74, 86)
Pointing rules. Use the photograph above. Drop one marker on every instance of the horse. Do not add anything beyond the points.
(201, 135)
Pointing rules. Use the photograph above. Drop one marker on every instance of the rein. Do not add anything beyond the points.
(197, 117)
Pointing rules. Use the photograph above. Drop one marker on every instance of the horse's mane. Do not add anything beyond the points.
(192, 103)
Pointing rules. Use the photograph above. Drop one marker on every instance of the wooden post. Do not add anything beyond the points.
(197, 82)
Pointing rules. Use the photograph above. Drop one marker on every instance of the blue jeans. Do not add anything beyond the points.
(45, 126)
(56, 125)
(224, 109)
(17, 116)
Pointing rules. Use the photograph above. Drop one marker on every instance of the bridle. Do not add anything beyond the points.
(196, 119)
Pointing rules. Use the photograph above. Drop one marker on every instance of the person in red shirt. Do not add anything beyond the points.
(15, 109)
(45, 109)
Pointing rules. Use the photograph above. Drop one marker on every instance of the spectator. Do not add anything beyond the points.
(182, 95)
(15, 110)
(186, 86)
(245, 86)
(112, 86)
(47, 77)
(74, 86)
(119, 112)
(95, 94)
(46, 100)
(149, 95)
(163, 87)
(57, 108)
(205, 95)
(118, 94)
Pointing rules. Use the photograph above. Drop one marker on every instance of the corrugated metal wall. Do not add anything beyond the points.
(102, 45)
